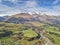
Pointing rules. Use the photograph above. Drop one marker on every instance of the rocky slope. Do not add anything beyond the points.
(26, 17)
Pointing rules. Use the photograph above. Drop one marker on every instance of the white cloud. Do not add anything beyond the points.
(5, 10)
(27, 6)
(56, 7)
(30, 6)
(0, 1)
(31, 3)
(56, 1)
(14, 1)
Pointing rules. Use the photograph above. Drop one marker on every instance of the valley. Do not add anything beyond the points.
(25, 29)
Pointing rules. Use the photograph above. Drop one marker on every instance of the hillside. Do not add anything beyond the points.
(19, 34)
(32, 33)
(30, 29)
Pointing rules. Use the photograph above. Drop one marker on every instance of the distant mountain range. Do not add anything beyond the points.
(26, 17)
(1, 19)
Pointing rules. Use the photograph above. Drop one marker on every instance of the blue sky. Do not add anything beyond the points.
(9, 7)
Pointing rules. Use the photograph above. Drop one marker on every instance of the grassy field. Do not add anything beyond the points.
(53, 35)
(28, 30)
(15, 29)
(29, 33)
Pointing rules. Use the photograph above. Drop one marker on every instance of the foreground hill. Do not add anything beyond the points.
(27, 34)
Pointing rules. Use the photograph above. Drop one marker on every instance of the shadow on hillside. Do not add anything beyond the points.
(5, 33)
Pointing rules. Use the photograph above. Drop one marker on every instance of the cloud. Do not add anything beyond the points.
(56, 1)
(5, 10)
(0, 0)
(14, 1)
(57, 7)
(31, 3)
(27, 6)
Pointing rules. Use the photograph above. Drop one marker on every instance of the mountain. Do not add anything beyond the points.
(20, 18)
(49, 19)
(6, 16)
(26, 17)
(1, 19)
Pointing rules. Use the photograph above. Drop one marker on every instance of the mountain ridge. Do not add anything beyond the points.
(26, 17)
